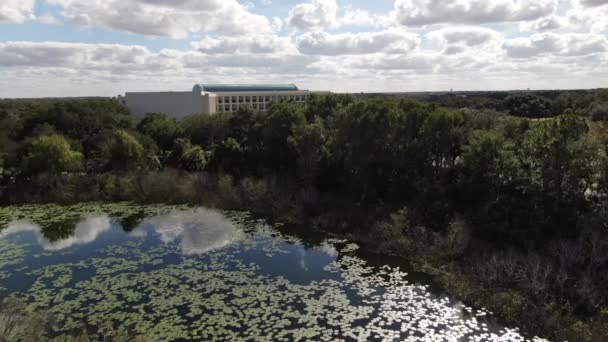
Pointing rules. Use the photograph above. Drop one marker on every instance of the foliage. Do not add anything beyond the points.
(125, 150)
(163, 129)
(51, 153)
(187, 156)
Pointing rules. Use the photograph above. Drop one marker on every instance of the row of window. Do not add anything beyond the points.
(260, 99)
(235, 107)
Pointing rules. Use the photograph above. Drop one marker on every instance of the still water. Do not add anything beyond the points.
(182, 273)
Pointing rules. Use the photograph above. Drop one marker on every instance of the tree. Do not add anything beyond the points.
(163, 129)
(488, 163)
(559, 160)
(187, 156)
(125, 151)
(206, 130)
(81, 120)
(308, 141)
(269, 142)
(528, 105)
(52, 154)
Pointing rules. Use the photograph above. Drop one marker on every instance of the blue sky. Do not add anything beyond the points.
(107, 47)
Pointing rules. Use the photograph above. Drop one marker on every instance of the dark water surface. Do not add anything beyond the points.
(181, 273)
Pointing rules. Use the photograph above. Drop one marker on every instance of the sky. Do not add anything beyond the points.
(107, 47)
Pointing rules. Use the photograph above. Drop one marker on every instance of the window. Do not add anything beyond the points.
(226, 108)
(255, 106)
(267, 98)
(234, 99)
(240, 99)
(220, 100)
(247, 99)
(234, 107)
(254, 99)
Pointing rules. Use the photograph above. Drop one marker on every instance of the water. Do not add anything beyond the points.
(180, 273)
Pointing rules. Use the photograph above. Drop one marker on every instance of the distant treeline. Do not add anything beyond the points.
(527, 104)
(528, 188)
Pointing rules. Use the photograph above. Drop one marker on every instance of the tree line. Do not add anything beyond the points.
(521, 179)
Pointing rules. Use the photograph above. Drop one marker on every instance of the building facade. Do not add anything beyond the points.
(215, 98)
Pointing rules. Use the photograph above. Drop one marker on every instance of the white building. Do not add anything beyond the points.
(214, 98)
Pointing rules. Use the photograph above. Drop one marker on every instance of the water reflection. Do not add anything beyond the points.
(287, 286)
(85, 231)
(198, 231)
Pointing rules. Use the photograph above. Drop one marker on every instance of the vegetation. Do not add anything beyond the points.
(509, 191)
(51, 153)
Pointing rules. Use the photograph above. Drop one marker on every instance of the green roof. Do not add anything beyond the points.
(218, 88)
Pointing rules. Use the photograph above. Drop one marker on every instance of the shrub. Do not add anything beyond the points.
(52, 154)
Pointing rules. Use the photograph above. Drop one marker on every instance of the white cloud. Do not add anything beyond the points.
(359, 17)
(588, 19)
(198, 231)
(564, 45)
(85, 232)
(175, 19)
(427, 12)
(16, 11)
(389, 41)
(593, 3)
(550, 23)
(460, 39)
(75, 56)
(244, 44)
(318, 14)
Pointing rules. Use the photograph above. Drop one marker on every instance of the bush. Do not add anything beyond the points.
(51, 154)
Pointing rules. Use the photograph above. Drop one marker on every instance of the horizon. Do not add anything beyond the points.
(87, 48)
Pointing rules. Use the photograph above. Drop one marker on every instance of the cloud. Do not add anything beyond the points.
(427, 12)
(588, 19)
(460, 39)
(550, 23)
(72, 55)
(176, 19)
(359, 17)
(86, 231)
(198, 231)
(593, 3)
(16, 11)
(389, 41)
(120, 62)
(564, 45)
(318, 14)
(244, 44)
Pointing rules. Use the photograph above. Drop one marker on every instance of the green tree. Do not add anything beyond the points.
(125, 151)
(187, 156)
(559, 159)
(271, 134)
(52, 154)
(309, 143)
(488, 163)
(206, 130)
(163, 129)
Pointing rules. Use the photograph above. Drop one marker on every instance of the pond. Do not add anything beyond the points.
(176, 273)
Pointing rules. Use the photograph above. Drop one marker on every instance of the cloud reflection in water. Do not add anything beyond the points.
(199, 231)
(86, 231)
